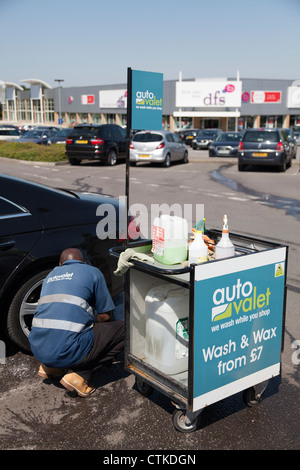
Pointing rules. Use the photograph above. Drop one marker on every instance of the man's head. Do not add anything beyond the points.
(69, 254)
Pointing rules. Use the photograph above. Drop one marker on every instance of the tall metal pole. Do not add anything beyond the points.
(59, 80)
(128, 138)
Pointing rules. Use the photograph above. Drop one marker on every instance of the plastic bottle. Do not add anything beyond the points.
(170, 239)
(225, 248)
(167, 332)
(198, 250)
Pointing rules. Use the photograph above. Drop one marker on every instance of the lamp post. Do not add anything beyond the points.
(59, 80)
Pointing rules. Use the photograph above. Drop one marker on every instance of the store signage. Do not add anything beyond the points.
(293, 97)
(87, 99)
(238, 324)
(260, 96)
(147, 100)
(113, 99)
(210, 94)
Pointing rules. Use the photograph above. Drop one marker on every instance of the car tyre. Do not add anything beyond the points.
(22, 308)
(185, 158)
(167, 161)
(74, 161)
(241, 167)
(283, 167)
(112, 158)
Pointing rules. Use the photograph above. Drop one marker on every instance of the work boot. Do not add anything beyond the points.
(50, 372)
(72, 381)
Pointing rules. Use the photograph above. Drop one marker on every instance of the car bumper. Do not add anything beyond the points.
(200, 145)
(222, 153)
(156, 156)
(85, 155)
(271, 159)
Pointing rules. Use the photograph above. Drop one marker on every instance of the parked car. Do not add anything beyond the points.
(157, 147)
(39, 136)
(226, 144)
(293, 141)
(9, 133)
(297, 135)
(187, 135)
(204, 137)
(36, 223)
(105, 143)
(61, 136)
(269, 147)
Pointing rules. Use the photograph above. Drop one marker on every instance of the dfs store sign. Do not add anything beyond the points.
(202, 94)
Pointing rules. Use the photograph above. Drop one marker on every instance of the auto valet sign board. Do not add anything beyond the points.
(238, 317)
(147, 100)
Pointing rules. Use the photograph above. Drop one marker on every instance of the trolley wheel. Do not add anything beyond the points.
(182, 423)
(144, 388)
(252, 396)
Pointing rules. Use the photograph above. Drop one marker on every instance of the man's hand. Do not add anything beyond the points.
(104, 317)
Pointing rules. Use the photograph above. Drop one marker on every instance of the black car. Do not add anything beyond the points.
(187, 135)
(225, 145)
(267, 147)
(61, 136)
(105, 143)
(204, 137)
(293, 141)
(36, 223)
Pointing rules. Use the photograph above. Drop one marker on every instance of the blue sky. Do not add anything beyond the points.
(92, 42)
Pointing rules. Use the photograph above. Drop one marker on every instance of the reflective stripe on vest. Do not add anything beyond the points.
(58, 324)
(69, 299)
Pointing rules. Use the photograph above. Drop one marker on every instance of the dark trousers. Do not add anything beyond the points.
(108, 342)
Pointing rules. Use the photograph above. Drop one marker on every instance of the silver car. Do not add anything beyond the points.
(157, 147)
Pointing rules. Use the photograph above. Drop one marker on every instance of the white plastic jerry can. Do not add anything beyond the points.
(167, 328)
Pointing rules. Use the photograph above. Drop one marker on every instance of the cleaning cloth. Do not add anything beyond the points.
(124, 262)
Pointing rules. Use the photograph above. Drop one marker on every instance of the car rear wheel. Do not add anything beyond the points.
(74, 161)
(112, 158)
(22, 309)
(185, 157)
(167, 161)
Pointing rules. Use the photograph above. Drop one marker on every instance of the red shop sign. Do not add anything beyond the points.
(265, 96)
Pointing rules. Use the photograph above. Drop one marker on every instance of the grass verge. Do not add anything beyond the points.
(33, 152)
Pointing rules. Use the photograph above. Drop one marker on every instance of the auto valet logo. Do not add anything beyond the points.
(147, 100)
(238, 301)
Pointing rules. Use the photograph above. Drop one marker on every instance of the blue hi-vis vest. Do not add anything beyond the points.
(62, 328)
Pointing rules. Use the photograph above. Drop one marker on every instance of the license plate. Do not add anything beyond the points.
(190, 136)
(144, 156)
(81, 141)
(261, 154)
(224, 152)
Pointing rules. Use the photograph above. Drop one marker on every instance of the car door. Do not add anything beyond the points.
(180, 147)
(119, 136)
(19, 232)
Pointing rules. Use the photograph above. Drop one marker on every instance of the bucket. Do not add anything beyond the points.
(170, 239)
(166, 339)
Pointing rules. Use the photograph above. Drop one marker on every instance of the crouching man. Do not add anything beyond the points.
(71, 331)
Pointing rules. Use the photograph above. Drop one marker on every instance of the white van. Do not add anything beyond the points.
(9, 133)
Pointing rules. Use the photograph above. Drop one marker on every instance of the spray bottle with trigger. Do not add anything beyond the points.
(225, 248)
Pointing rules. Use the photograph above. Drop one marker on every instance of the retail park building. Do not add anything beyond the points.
(226, 103)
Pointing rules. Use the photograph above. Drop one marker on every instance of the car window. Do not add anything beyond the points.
(169, 138)
(87, 131)
(9, 132)
(115, 133)
(147, 137)
(176, 138)
(8, 208)
(228, 137)
(260, 136)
